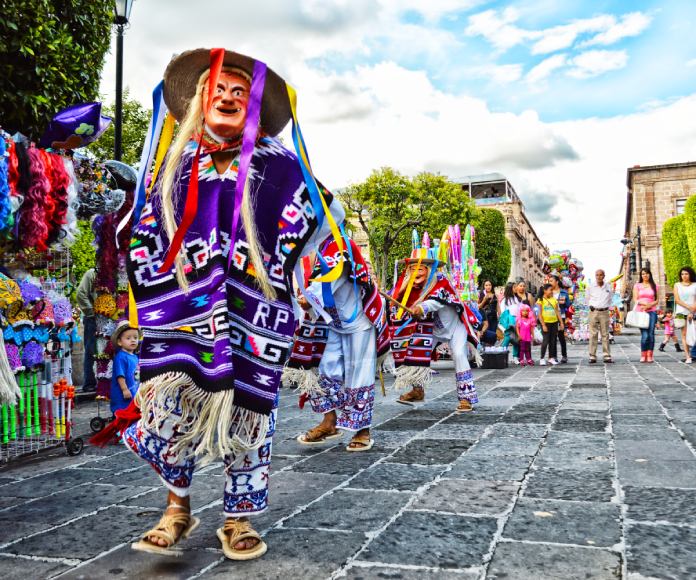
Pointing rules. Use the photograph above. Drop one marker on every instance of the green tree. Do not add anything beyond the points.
(51, 56)
(675, 247)
(493, 250)
(135, 121)
(690, 226)
(82, 252)
(386, 207)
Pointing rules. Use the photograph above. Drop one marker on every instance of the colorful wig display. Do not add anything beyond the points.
(33, 212)
(104, 228)
(60, 182)
(5, 204)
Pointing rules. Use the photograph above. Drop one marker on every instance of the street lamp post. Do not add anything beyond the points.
(122, 10)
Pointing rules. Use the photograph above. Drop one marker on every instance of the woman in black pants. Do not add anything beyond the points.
(563, 298)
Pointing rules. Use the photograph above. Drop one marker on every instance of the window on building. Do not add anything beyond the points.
(680, 203)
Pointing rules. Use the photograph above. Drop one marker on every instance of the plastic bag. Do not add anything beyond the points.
(691, 333)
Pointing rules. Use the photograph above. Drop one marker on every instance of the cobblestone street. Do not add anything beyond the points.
(576, 471)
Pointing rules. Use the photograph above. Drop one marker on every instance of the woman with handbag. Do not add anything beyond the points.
(685, 301)
(645, 299)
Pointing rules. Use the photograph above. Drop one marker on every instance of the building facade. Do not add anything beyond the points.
(494, 191)
(656, 193)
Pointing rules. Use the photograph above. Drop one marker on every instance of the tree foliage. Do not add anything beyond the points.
(690, 227)
(51, 56)
(388, 205)
(82, 252)
(493, 250)
(135, 121)
(675, 247)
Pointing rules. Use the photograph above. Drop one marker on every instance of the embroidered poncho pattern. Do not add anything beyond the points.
(221, 343)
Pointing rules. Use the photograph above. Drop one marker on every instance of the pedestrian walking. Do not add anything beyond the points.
(85, 297)
(563, 298)
(515, 295)
(599, 299)
(214, 291)
(124, 375)
(645, 299)
(685, 300)
(551, 322)
(667, 322)
(355, 333)
(525, 330)
(488, 304)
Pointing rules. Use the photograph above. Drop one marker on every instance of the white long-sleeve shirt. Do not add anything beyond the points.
(347, 301)
(446, 319)
(600, 296)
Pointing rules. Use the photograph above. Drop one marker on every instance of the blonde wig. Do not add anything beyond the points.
(192, 124)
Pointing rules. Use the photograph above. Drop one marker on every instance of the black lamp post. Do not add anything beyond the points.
(637, 239)
(122, 10)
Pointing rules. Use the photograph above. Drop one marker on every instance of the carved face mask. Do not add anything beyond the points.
(228, 111)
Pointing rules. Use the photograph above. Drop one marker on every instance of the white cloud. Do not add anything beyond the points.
(691, 62)
(541, 71)
(432, 10)
(502, 74)
(630, 25)
(499, 28)
(593, 63)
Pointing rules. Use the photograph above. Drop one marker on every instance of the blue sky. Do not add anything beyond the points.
(648, 64)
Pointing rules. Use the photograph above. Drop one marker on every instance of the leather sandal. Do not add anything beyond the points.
(364, 443)
(415, 395)
(464, 406)
(318, 435)
(166, 530)
(236, 530)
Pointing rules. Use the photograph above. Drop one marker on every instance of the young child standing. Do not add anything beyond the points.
(525, 330)
(668, 322)
(551, 323)
(124, 376)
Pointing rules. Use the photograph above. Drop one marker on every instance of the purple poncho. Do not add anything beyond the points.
(222, 345)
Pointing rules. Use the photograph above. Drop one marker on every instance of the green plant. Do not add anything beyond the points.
(690, 226)
(82, 253)
(51, 56)
(493, 250)
(675, 247)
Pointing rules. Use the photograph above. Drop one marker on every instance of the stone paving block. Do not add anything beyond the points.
(646, 449)
(581, 523)
(657, 473)
(506, 446)
(390, 440)
(118, 462)
(395, 476)
(468, 497)
(305, 554)
(51, 482)
(85, 538)
(580, 425)
(518, 561)
(572, 439)
(24, 569)
(125, 564)
(575, 458)
(425, 414)
(517, 430)
(453, 431)
(69, 504)
(661, 551)
(144, 476)
(290, 446)
(586, 406)
(373, 572)
(444, 541)
(655, 504)
(473, 419)
(407, 424)
(649, 433)
(350, 510)
(502, 468)
(568, 484)
(653, 420)
(338, 461)
(429, 452)
(539, 418)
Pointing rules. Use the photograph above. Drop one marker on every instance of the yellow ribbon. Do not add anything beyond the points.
(132, 309)
(335, 273)
(404, 300)
(165, 141)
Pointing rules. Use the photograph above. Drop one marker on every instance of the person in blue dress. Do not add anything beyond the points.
(124, 376)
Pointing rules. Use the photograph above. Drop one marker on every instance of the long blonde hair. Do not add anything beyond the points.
(192, 124)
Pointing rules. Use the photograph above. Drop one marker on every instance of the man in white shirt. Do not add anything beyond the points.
(599, 299)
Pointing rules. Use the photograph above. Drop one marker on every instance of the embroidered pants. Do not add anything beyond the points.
(466, 388)
(246, 474)
(347, 378)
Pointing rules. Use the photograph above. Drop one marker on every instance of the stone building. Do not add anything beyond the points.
(655, 194)
(494, 191)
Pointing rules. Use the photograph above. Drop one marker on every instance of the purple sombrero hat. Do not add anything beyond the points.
(75, 126)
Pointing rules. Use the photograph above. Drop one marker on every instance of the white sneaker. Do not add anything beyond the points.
(515, 361)
(553, 361)
(542, 362)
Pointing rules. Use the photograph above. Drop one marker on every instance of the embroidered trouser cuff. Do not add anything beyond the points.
(466, 389)
(353, 406)
(246, 474)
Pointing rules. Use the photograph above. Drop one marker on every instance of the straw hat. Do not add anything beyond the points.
(120, 329)
(184, 70)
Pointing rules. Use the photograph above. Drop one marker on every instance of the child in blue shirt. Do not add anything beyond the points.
(124, 377)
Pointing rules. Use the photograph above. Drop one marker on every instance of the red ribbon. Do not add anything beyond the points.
(217, 56)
